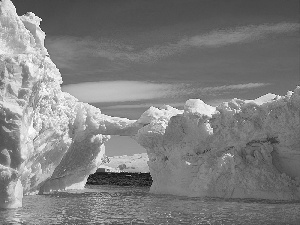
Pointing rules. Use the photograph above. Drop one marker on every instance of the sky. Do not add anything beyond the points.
(125, 55)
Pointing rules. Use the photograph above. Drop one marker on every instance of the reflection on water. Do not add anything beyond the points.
(128, 205)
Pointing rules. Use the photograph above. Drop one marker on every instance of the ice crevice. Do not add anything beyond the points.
(49, 141)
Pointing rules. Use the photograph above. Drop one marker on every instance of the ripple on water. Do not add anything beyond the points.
(133, 205)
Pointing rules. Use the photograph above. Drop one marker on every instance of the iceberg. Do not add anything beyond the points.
(240, 149)
(49, 141)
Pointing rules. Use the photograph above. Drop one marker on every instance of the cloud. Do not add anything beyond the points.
(124, 91)
(213, 39)
(73, 53)
(187, 89)
(148, 105)
(191, 89)
(68, 49)
(243, 34)
(119, 91)
(65, 50)
(234, 87)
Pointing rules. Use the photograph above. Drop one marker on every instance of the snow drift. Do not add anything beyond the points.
(49, 141)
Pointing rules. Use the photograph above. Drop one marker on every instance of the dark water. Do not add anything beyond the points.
(128, 205)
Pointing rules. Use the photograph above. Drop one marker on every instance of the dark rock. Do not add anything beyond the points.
(120, 179)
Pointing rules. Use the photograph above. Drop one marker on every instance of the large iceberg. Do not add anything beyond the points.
(240, 149)
(50, 141)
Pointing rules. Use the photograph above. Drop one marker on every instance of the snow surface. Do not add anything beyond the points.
(49, 141)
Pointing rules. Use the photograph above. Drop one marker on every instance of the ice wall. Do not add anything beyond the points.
(48, 140)
(241, 149)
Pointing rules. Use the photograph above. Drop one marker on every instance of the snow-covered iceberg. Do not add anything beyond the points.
(51, 141)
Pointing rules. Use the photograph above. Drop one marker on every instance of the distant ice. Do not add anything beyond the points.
(132, 163)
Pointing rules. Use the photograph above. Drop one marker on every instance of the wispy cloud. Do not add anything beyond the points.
(148, 105)
(70, 52)
(213, 39)
(123, 91)
(194, 89)
(187, 89)
(119, 91)
(233, 87)
(66, 49)
(218, 38)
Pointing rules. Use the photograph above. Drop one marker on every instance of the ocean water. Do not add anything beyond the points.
(135, 205)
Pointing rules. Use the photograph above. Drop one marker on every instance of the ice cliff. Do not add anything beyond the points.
(240, 149)
(50, 141)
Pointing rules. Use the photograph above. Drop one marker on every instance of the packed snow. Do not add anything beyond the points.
(49, 141)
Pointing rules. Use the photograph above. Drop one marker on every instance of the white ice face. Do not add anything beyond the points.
(51, 141)
(48, 140)
(240, 149)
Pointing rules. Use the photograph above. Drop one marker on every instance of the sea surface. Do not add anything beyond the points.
(135, 205)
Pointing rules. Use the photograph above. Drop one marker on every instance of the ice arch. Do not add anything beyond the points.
(48, 140)
(51, 141)
(90, 131)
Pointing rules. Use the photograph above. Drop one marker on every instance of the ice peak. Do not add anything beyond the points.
(19, 35)
(197, 106)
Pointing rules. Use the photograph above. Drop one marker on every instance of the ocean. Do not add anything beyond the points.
(135, 205)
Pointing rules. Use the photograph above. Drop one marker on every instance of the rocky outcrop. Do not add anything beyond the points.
(120, 179)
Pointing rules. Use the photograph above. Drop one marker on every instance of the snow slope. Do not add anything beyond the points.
(49, 141)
